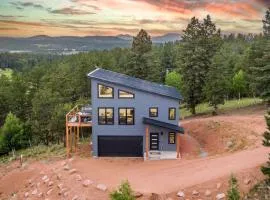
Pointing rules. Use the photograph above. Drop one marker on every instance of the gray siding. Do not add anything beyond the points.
(142, 102)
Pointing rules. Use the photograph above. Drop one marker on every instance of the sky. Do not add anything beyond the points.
(24, 18)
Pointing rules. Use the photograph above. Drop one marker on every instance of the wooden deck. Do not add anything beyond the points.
(74, 121)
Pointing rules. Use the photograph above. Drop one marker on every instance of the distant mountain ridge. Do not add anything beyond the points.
(73, 44)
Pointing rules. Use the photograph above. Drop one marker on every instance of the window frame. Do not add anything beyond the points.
(126, 92)
(105, 86)
(126, 108)
(150, 111)
(173, 108)
(106, 122)
(169, 134)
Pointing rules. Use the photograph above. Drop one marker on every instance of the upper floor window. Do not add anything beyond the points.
(153, 112)
(125, 94)
(105, 91)
(126, 116)
(172, 113)
(105, 116)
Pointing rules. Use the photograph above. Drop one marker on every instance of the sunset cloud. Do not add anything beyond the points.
(70, 11)
(111, 17)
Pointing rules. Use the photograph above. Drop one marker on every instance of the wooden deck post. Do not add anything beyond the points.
(178, 145)
(147, 142)
(67, 137)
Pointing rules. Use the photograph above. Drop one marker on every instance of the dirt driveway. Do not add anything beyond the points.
(168, 176)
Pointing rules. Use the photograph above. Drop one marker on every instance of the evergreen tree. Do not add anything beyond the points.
(139, 57)
(266, 24)
(233, 192)
(216, 83)
(200, 42)
(266, 142)
(11, 134)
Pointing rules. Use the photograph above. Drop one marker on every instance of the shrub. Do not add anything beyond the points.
(233, 192)
(124, 192)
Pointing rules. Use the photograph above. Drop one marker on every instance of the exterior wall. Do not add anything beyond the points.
(142, 102)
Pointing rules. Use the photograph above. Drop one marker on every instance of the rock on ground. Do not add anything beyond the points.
(72, 171)
(207, 193)
(219, 185)
(180, 194)
(87, 182)
(102, 187)
(195, 192)
(220, 196)
(138, 194)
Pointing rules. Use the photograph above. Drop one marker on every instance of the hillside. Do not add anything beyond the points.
(72, 44)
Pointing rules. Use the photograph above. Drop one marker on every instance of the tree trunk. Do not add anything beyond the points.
(239, 96)
(215, 110)
(193, 110)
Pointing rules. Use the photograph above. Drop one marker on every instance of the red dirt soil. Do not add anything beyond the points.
(164, 177)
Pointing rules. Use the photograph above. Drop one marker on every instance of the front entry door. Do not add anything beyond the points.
(154, 141)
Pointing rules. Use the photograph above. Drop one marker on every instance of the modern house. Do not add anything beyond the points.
(133, 117)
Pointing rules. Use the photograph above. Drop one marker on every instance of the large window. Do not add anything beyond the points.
(125, 94)
(153, 112)
(105, 91)
(105, 116)
(172, 113)
(171, 138)
(126, 116)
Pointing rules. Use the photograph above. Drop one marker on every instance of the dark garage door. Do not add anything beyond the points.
(129, 146)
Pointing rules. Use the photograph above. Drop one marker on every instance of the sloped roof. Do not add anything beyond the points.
(135, 83)
(161, 124)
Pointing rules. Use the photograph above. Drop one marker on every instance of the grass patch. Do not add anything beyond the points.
(37, 152)
(260, 191)
(204, 108)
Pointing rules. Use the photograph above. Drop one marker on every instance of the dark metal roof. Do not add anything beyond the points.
(158, 123)
(135, 83)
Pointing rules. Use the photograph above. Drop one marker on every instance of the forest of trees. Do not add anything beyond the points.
(206, 66)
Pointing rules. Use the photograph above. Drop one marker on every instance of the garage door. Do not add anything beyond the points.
(129, 146)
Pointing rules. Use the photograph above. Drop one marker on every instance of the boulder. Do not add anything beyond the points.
(50, 183)
(195, 193)
(102, 187)
(60, 186)
(40, 194)
(66, 167)
(26, 194)
(34, 192)
(87, 182)
(138, 194)
(72, 171)
(247, 181)
(207, 193)
(180, 194)
(44, 177)
(220, 196)
(49, 191)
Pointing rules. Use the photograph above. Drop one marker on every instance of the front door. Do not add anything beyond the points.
(154, 141)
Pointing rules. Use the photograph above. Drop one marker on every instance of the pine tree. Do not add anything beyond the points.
(200, 42)
(266, 24)
(139, 57)
(266, 142)
(262, 73)
(216, 83)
